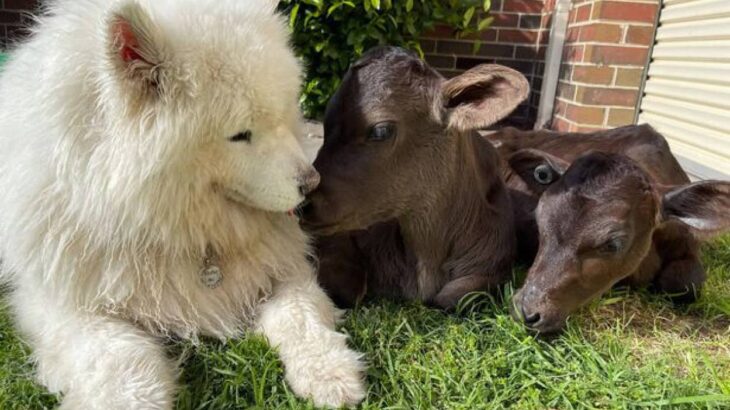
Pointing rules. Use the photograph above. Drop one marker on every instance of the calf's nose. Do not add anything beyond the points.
(308, 182)
(530, 318)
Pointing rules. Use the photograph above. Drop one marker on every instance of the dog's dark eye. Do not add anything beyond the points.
(382, 131)
(613, 246)
(241, 137)
(544, 175)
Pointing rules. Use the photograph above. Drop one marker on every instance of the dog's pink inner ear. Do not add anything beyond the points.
(127, 42)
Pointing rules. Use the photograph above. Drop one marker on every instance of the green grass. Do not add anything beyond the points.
(627, 350)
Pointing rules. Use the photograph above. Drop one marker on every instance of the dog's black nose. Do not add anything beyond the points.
(308, 182)
(530, 319)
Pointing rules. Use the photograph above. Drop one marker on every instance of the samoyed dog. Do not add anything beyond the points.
(148, 162)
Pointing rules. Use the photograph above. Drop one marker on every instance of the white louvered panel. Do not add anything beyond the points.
(687, 133)
(710, 73)
(695, 10)
(692, 92)
(699, 30)
(693, 51)
(687, 94)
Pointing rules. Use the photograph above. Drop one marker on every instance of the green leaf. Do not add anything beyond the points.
(487, 5)
(468, 15)
(409, 5)
(375, 4)
(293, 15)
(484, 23)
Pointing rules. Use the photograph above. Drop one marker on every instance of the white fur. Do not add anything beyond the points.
(112, 193)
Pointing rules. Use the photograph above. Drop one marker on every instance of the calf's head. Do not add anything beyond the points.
(596, 223)
(389, 130)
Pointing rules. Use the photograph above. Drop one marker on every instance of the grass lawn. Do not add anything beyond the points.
(628, 350)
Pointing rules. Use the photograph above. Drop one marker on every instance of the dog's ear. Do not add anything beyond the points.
(136, 47)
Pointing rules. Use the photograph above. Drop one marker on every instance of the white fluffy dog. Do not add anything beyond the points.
(148, 158)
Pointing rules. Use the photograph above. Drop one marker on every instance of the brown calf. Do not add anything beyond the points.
(403, 164)
(607, 218)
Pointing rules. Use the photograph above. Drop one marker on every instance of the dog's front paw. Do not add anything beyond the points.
(332, 379)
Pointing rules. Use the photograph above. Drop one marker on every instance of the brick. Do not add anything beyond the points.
(618, 117)
(604, 54)
(441, 61)
(566, 91)
(488, 35)
(560, 125)
(530, 21)
(523, 6)
(428, 46)
(455, 47)
(582, 13)
(440, 31)
(572, 35)
(624, 11)
(496, 50)
(518, 36)
(450, 73)
(505, 20)
(593, 75)
(525, 67)
(566, 72)
(537, 84)
(27, 5)
(9, 17)
(629, 77)
(463, 63)
(547, 21)
(530, 52)
(585, 115)
(606, 96)
(640, 35)
(584, 130)
(573, 53)
(496, 5)
(601, 33)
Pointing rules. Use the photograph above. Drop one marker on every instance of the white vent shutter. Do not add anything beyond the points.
(687, 94)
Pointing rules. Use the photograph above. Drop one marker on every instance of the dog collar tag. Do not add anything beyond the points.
(211, 275)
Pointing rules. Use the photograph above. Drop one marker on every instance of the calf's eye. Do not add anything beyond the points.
(613, 246)
(382, 131)
(244, 136)
(543, 174)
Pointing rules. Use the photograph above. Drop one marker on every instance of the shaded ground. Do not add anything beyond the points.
(628, 350)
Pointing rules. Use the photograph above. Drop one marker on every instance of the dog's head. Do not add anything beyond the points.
(207, 91)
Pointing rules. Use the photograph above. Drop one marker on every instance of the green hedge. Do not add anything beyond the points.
(329, 34)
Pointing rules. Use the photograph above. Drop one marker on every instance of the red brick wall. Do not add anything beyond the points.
(14, 19)
(517, 38)
(607, 47)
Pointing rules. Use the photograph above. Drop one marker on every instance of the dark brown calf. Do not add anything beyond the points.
(403, 164)
(606, 219)
(526, 152)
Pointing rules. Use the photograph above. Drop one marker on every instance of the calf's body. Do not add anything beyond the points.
(411, 204)
(624, 214)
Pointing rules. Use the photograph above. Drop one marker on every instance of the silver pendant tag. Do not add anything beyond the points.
(211, 276)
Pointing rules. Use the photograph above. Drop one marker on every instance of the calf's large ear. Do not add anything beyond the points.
(482, 96)
(136, 48)
(703, 206)
(537, 169)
